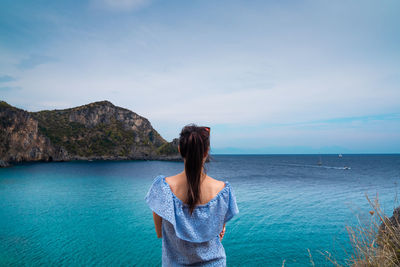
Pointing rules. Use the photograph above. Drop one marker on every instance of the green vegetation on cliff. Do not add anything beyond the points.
(96, 130)
(168, 149)
(100, 140)
(4, 104)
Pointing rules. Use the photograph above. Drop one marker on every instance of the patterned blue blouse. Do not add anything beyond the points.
(191, 239)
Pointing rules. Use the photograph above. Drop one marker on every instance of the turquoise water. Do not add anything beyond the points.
(93, 213)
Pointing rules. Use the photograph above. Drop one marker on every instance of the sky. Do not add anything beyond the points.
(268, 77)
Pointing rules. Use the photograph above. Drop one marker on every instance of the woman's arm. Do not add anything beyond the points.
(157, 224)
(221, 235)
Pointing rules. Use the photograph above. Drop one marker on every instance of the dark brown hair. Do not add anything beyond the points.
(194, 142)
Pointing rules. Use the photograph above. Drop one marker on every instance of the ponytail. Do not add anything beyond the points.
(193, 143)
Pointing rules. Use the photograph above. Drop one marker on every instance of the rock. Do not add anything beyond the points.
(96, 131)
(389, 234)
(393, 221)
(3, 164)
(20, 139)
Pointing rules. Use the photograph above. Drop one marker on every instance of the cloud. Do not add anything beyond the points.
(120, 5)
(280, 73)
(34, 60)
(6, 78)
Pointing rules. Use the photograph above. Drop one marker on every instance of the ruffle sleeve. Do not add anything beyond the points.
(232, 206)
(206, 221)
(160, 200)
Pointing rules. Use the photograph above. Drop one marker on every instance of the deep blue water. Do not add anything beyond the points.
(93, 213)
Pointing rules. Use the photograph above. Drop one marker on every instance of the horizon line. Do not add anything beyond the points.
(272, 154)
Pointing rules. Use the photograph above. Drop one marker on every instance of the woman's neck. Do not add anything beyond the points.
(202, 175)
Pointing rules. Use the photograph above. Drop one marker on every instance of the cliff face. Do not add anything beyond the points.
(98, 130)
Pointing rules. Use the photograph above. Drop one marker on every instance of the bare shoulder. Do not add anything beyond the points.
(171, 180)
(178, 185)
(176, 181)
(215, 184)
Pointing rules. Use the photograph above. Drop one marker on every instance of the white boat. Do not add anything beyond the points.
(340, 155)
(320, 161)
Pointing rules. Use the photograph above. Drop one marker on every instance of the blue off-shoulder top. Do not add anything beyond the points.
(191, 239)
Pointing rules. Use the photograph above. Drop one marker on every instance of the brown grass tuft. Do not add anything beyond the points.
(375, 243)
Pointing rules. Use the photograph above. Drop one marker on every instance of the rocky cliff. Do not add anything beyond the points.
(96, 131)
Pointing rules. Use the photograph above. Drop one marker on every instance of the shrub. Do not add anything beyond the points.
(376, 243)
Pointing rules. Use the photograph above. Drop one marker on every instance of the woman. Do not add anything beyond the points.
(190, 209)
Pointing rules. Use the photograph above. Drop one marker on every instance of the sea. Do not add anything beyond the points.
(292, 211)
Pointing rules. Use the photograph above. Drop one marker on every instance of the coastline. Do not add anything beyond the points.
(95, 131)
(6, 164)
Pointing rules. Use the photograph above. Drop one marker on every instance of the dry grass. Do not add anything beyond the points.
(375, 243)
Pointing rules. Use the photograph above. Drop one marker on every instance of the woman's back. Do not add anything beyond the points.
(209, 187)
